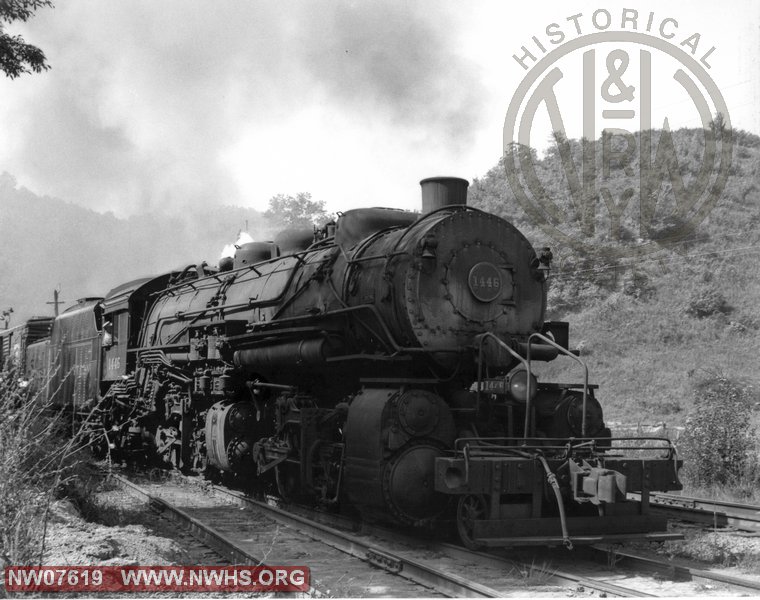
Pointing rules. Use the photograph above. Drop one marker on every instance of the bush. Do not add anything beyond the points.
(36, 456)
(718, 444)
(638, 286)
(705, 303)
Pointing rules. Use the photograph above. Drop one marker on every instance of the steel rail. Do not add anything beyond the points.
(419, 572)
(452, 551)
(209, 536)
(674, 569)
(717, 513)
(322, 526)
(553, 575)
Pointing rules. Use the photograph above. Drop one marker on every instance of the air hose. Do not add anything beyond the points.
(552, 479)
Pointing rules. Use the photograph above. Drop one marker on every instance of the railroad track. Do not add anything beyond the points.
(341, 564)
(675, 570)
(381, 553)
(387, 557)
(744, 517)
(630, 576)
(625, 561)
(499, 574)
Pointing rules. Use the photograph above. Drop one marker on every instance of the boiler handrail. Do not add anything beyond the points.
(566, 352)
(525, 363)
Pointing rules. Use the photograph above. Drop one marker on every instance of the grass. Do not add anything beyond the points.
(746, 492)
(648, 356)
(533, 574)
(719, 549)
(84, 492)
(37, 457)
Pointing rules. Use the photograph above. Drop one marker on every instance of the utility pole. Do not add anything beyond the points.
(56, 301)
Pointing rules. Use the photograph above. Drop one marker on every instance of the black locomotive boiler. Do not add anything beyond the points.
(385, 363)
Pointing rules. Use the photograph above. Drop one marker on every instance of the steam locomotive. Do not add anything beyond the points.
(385, 362)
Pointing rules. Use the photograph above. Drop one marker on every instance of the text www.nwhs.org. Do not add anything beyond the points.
(156, 579)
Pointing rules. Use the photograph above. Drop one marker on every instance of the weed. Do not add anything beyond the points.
(743, 492)
(534, 574)
(86, 494)
(37, 455)
(718, 445)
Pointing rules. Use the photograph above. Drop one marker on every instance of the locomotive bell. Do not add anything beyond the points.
(438, 192)
(226, 263)
(227, 259)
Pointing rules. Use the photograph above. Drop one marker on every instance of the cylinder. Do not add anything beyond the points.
(180, 357)
(289, 354)
(538, 351)
(438, 192)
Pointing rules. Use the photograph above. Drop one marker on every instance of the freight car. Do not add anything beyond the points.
(385, 362)
(24, 351)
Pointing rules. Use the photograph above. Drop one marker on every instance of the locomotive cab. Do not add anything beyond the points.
(124, 309)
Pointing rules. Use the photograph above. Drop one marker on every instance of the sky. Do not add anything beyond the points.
(155, 106)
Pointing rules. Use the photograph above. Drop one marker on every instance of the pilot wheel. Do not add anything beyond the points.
(471, 508)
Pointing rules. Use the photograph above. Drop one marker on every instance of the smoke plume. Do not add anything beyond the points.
(145, 99)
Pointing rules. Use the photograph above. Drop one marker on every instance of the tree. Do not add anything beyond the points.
(16, 56)
(718, 124)
(295, 211)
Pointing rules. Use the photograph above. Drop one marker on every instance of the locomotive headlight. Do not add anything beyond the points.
(518, 385)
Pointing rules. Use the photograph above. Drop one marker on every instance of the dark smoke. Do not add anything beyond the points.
(144, 97)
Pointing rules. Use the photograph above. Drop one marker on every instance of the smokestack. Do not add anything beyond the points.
(438, 192)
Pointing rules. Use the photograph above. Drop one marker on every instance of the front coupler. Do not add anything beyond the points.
(522, 492)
